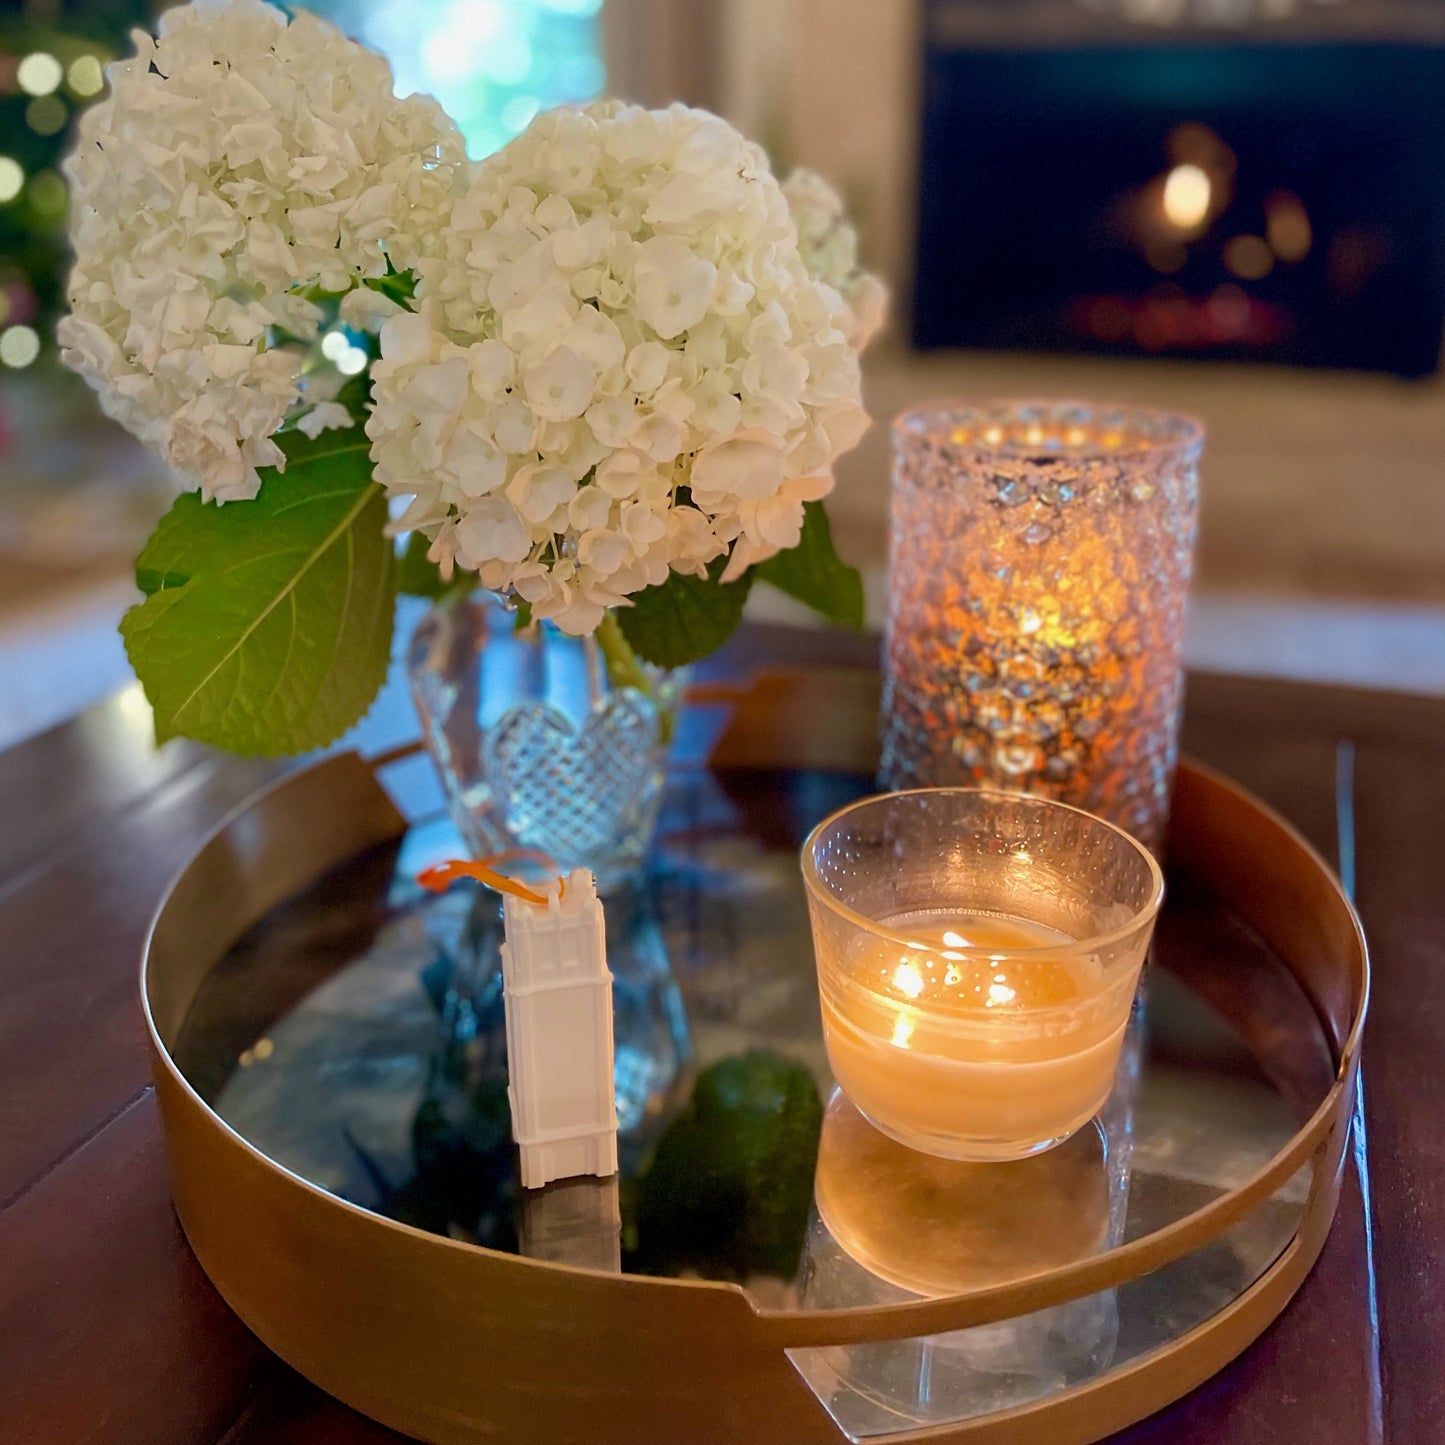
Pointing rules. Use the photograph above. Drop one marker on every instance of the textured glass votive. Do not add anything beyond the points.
(978, 954)
(1041, 556)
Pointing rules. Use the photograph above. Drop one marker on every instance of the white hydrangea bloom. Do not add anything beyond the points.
(238, 161)
(327, 416)
(829, 246)
(620, 365)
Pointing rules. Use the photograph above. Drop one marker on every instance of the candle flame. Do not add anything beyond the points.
(907, 980)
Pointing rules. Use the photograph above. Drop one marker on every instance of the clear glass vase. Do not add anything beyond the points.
(536, 745)
(539, 747)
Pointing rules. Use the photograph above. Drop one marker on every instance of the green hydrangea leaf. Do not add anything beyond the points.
(398, 286)
(266, 626)
(418, 576)
(814, 574)
(684, 618)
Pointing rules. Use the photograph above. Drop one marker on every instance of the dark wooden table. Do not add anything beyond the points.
(110, 1333)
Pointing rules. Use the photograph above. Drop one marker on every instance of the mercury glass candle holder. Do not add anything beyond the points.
(1041, 557)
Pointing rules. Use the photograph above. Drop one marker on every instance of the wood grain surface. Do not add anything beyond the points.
(111, 1335)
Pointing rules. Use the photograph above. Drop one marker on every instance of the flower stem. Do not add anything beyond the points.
(625, 669)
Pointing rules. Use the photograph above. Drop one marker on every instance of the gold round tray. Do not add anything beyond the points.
(452, 1342)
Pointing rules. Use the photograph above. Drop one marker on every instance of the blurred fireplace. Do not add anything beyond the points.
(1182, 192)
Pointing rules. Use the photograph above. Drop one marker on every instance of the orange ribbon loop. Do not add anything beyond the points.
(441, 876)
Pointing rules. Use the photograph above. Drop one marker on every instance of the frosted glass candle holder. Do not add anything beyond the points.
(1041, 558)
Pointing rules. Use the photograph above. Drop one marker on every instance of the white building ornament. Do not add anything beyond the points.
(558, 995)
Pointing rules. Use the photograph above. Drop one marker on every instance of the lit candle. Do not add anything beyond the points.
(977, 957)
(1041, 557)
(1007, 1030)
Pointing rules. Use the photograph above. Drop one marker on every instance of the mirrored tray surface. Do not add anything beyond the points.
(354, 1036)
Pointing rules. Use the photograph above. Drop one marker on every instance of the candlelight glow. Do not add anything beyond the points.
(907, 980)
(1047, 678)
(902, 1032)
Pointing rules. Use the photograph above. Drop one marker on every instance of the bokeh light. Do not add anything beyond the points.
(85, 76)
(39, 74)
(19, 346)
(12, 178)
(352, 361)
(46, 115)
(1187, 193)
(492, 64)
(1288, 226)
(519, 112)
(1249, 257)
(508, 60)
(48, 194)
